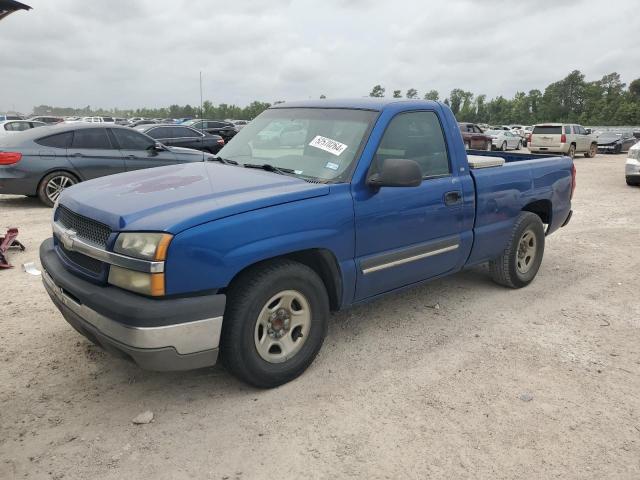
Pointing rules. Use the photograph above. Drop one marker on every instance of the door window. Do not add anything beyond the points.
(416, 136)
(60, 140)
(94, 138)
(131, 140)
(161, 132)
(184, 132)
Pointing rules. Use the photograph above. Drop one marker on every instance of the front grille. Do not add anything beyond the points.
(83, 261)
(85, 228)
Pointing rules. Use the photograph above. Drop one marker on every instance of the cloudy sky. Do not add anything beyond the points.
(124, 53)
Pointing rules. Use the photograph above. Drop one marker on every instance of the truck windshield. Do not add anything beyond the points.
(315, 143)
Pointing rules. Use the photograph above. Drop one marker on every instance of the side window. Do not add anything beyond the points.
(182, 132)
(94, 138)
(59, 140)
(476, 129)
(215, 125)
(567, 129)
(582, 130)
(416, 136)
(161, 132)
(131, 140)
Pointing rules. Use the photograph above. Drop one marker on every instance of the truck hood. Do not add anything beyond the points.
(174, 198)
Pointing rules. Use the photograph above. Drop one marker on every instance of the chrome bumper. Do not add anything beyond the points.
(182, 346)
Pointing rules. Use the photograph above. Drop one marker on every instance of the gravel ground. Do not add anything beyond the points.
(456, 379)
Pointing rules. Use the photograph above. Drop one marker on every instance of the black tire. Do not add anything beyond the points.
(617, 150)
(505, 270)
(632, 183)
(519, 147)
(467, 146)
(593, 151)
(246, 298)
(45, 190)
(572, 151)
(504, 147)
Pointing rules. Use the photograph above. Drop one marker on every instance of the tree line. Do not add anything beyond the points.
(209, 110)
(607, 101)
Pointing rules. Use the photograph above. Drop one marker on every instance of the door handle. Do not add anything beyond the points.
(452, 198)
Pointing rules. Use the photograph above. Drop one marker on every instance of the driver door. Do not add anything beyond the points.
(139, 151)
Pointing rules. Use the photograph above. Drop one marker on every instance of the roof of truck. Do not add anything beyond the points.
(366, 103)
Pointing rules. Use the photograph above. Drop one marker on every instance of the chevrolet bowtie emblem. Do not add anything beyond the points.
(67, 237)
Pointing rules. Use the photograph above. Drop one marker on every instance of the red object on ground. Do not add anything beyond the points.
(7, 242)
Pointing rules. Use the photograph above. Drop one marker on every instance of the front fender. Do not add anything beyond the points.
(210, 255)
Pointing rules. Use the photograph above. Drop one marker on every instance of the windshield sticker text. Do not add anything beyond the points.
(328, 145)
(332, 166)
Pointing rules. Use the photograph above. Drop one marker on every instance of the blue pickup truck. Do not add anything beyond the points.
(245, 256)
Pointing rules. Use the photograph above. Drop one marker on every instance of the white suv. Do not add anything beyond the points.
(563, 138)
(632, 167)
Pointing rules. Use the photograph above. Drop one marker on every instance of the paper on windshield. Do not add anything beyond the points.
(332, 146)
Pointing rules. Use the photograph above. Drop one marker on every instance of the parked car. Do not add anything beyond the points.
(246, 260)
(183, 136)
(226, 130)
(240, 123)
(121, 121)
(4, 117)
(504, 140)
(632, 166)
(563, 138)
(142, 122)
(44, 161)
(47, 119)
(8, 127)
(616, 142)
(91, 119)
(473, 137)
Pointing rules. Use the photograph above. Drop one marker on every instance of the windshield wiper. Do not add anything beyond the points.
(225, 161)
(270, 168)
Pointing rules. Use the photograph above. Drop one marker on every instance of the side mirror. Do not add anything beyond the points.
(396, 172)
(158, 147)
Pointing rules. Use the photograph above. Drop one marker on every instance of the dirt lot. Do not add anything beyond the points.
(542, 382)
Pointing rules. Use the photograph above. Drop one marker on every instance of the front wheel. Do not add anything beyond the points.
(275, 323)
(53, 184)
(520, 261)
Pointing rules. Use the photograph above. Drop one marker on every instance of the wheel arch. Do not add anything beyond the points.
(321, 260)
(542, 208)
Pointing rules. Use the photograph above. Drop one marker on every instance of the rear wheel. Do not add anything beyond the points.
(489, 147)
(519, 145)
(274, 324)
(593, 150)
(53, 184)
(521, 259)
(572, 151)
(504, 147)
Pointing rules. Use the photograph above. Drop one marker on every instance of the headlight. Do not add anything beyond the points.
(146, 246)
(145, 283)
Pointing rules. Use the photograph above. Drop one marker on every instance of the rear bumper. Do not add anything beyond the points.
(170, 334)
(561, 148)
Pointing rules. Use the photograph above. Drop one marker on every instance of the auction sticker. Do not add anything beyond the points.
(328, 145)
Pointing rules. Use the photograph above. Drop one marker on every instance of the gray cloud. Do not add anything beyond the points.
(148, 53)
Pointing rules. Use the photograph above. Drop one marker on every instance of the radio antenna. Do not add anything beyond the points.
(201, 116)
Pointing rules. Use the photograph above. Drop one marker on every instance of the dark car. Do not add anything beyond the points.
(473, 136)
(616, 142)
(226, 130)
(182, 136)
(142, 122)
(44, 161)
(48, 119)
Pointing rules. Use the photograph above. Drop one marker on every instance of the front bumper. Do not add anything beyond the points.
(157, 334)
(632, 168)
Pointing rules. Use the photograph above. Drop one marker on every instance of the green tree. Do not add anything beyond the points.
(323, 96)
(397, 94)
(377, 91)
(412, 93)
(432, 95)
